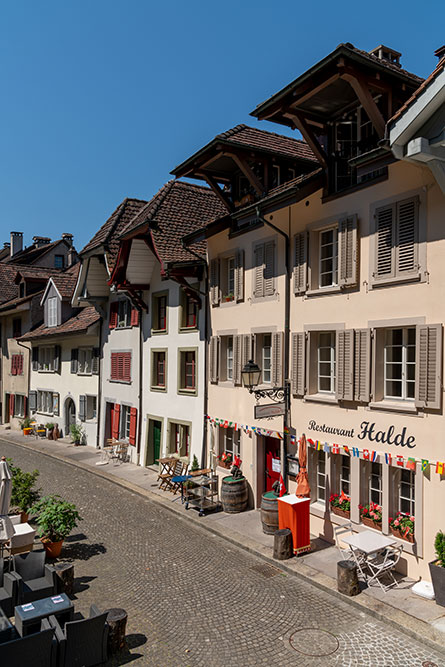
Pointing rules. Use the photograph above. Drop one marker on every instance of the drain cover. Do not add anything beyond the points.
(314, 642)
(266, 570)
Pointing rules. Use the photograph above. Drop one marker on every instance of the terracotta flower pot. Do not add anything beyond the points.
(367, 521)
(24, 516)
(52, 549)
(346, 514)
(398, 533)
(224, 464)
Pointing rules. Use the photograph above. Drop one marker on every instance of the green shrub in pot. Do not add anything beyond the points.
(24, 494)
(55, 518)
(437, 569)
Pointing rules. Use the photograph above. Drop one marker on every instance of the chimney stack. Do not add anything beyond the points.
(385, 53)
(16, 243)
(40, 241)
(440, 52)
(68, 238)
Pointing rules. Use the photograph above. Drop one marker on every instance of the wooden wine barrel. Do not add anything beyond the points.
(269, 512)
(234, 494)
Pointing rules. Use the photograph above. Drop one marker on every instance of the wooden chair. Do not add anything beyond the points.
(174, 487)
(122, 451)
(166, 472)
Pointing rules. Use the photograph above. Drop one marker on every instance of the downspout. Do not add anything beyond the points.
(99, 387)
(284, 444)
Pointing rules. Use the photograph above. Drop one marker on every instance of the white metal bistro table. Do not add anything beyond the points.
(368, 542)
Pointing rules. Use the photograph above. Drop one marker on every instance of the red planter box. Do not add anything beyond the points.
(397, 533)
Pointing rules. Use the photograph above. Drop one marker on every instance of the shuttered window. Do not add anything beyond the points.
(347, 251)
(326, 362)
(227, 278)
(362, 360)
(300, 263)
(187, 379)
(298, 364)
(264, 269)
(159, 368)
(214, 282)
(345, 365)
(396, 241)
(214, 358)
(121, 366)
(17, 364)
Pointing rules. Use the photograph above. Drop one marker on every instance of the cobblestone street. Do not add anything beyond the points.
(194, 599)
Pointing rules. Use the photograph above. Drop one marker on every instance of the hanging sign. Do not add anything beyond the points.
(269, 410)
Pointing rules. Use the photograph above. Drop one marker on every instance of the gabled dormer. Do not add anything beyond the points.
(341, 106)
(56, 299)
(244, 164)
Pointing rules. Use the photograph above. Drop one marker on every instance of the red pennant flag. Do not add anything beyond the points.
(282, 487)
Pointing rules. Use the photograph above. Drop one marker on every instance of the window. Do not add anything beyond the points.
(228, 269)
(229, 358)
(400, 364)
(19, 405)
(264, 270)
(375, 483)
(17, 364)
(266, 359)
(406, 500)
(159, 316)
(52, 312)
(189, 312)
(321, 475)
(123, 314)
(345, 475)
(16, 327)
(59, 261)
(326, 362)
(179, 439)
(45, 403)
(187, 371)
(159, 369)
(227, 278)
(46, 358)
(121, 366)
(276, 175)
(328, 254)
(125, 422)
(91, 407)
(84, 363)
(229, 441)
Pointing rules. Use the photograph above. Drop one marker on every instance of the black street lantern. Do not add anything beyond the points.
(251, 374)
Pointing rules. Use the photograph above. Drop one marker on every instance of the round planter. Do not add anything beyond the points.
(234, 494)
(366, 521)
(398, 533)
(53, 549)
(269, 512)
(346, 514)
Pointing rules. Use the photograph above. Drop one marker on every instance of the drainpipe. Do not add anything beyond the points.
(284, 444)
(99, 387)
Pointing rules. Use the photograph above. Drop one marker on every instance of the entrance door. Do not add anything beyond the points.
(70, 415)
(154, 442)
(272, 469)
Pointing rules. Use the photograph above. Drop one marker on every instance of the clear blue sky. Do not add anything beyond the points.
(102, 98)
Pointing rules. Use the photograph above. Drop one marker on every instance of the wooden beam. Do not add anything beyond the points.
(361, 89)
(248, 173)
(300, 123)
(210, 160)
(218, 192)
(314, 91)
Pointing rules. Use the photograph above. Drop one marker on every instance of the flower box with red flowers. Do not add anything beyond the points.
(225, 460)
(340, 504)
(371, 515)
(402, 526)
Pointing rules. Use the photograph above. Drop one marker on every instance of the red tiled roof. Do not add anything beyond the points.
(32, 253)
(35, 272)
(178, 209)
(110, 231)
(382, 62)
(12, 303)
(270, 141)
(75, 325)
(9, 289)
(440, 66)
(66, 282)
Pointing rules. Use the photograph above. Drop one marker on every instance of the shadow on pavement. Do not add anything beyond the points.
(82, 551)
(125, 657)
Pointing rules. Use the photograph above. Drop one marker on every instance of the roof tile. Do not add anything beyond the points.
(75, 325)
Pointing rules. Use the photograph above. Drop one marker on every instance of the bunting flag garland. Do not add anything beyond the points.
(440, 465)
(411, 463)
(388, 458)
(355, 452)
(335, 449)
(326, 448)
(425, 464)
(366, 454)
(399, 460)
(373, 456)
(346, 448)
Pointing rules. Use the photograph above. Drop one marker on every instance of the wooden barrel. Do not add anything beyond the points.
(269, 512)
(234, 494)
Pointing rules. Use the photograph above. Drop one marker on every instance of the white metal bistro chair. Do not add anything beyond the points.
(348, 553)
(382, 564)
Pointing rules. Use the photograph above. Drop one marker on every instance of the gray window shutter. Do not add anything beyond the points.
(56, 403)
(82, 408)
(95, 361)
(300, 263)
(237, 358)
(406, 246)
(269, 268)
(347, 251)
(57, 364)
(428, 366)
(362, 361)
(35, 358)
(298, 364)
(258, 289)
(385, 242)
(247, 349)
(74, 360)
(213, 354)
(239, 275)
(33, 401)
(214, 282)
(345, 365)
(277, 358)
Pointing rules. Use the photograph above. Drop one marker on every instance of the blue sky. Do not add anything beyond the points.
(101, 99)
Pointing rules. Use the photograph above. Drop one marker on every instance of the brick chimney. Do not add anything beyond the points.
(68, 238)
(40, 241)
(16, 243)
(385, 53)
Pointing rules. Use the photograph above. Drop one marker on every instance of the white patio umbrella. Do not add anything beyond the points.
(6, 526)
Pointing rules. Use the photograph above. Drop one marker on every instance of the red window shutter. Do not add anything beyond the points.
(20, 364)
(133, 425)
(134, 317)
(13, 367)
(126, 362)
(113, 315)
(115, 421)
(11, 405)
(120, 366)
(114, 358)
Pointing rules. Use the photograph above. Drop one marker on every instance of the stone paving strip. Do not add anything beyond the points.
(142, 481)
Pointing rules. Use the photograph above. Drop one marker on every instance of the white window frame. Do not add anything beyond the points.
(180, 438)
(411, 499)
(229, 441)
(331, 362)
(46, 358)
(52, 311)
(45, 402)
(375, 490)
(124, 427)
(333, 256)
(404, 364)
(345, 479)
(19, 399)
(321, 476)
(91, 407)
(229, 359)
(266, 359)
(85, 361)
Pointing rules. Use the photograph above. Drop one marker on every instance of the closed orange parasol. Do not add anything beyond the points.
(303, 489)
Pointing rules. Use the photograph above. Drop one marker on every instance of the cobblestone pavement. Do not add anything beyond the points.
(194, 599)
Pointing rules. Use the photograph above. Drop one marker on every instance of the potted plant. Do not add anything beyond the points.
(55, 520)
(371, 515)
(228, 297)
(437, 569)
(23, 494)
(50, 430)
(25, 425)
(340, 504)
(402, 526)
(225, 460)
(77, 433)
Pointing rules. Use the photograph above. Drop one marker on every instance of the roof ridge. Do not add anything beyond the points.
(258, 129)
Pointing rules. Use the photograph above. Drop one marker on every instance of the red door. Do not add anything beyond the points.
(272, 449)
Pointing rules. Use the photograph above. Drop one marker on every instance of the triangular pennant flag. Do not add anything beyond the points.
(411, 464)
(399, 460)
(346, 448)
(425, 464)
(366, 454)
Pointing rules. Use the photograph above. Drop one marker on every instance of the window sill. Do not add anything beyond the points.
(187, 392)
(127, 326)
(120, 381)
(393, 406)
(41, 370)
(226, 383)
(318, 509)
(321, 398)
(398, 280)
(322, 291)
(85, 374)
(188, 329)
(160, 389)
(265, 299)
(159, 332)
